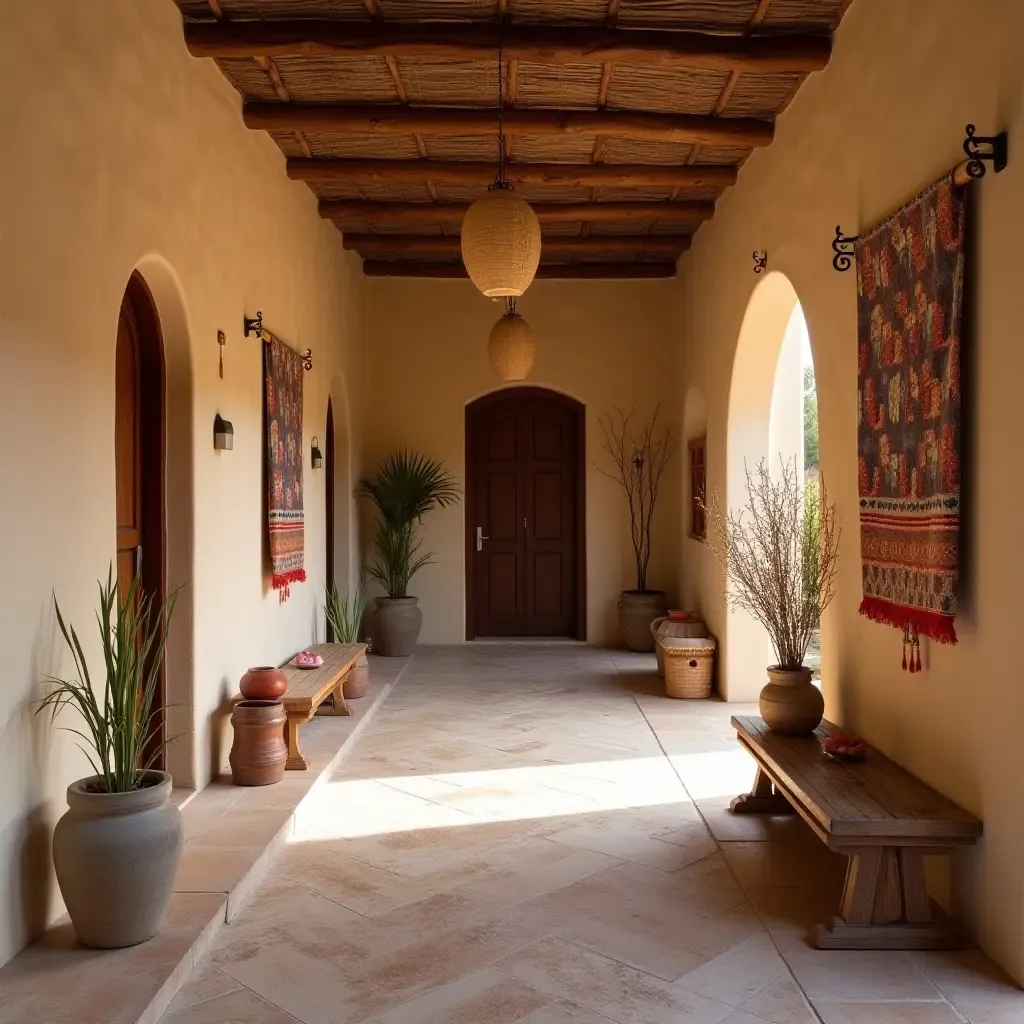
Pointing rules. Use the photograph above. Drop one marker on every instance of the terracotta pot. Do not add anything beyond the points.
(263, 683)
(637, 610)
(790, 703)
(358, 680)
(116, 855)
(258, 752)
(397, 626)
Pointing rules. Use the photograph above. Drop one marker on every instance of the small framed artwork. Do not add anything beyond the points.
(697, 449)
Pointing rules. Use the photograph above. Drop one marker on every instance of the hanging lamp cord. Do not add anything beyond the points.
(501, 182)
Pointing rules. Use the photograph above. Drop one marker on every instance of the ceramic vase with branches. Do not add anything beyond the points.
(640, 452)
(779, 553)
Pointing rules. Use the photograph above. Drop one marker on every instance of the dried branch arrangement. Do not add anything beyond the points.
(779, 553)
(641, 453)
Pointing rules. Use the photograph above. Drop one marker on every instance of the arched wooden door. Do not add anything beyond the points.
(139, 449)
(525, 550)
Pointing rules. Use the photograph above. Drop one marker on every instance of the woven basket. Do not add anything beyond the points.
(689, 669)
(676, 624)
(501, 243)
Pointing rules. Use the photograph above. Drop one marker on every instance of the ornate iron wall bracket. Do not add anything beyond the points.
(760, 260)
(842, 246)
(996, 151)
(307, 359)
(253, 326)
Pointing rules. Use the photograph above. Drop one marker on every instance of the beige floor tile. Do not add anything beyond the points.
(975, 986)
(781, 1003)
(797, 864)
(240, 1007)
(843, 975)
(633, 844)
(740, 973)
(483, 997)
(206, 982)
(563, 1012)
(887, 1013)
(729, 827)
(622, 993)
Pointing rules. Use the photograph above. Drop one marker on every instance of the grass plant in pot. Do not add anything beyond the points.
(404, 488)
(640, 454)
(345, 617)
(779, 554)
(116, 849)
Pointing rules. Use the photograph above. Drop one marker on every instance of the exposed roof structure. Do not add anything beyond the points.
(624, 119)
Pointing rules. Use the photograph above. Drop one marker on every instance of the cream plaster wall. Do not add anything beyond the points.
(604, 343)
(121, 151)
(886, 118)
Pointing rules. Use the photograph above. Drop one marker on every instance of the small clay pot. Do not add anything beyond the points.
(791, 703)
(358, 680)
(258, 753)
(263, 683)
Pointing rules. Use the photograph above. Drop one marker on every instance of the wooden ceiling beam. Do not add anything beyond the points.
(685, 212)
(540, 44)
(404, 245)
(579, 271)
(740, 132)
(465, 172)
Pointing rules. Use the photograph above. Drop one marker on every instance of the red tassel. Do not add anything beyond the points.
(917, 641)
(904, 657)
(939, 627)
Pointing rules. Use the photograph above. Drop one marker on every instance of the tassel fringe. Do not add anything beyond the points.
(282, 581)
(936, 627)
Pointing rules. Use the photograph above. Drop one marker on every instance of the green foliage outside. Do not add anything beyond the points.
(810, 420)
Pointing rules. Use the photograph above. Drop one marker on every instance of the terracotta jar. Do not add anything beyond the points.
(263, 683)
(790, 702)
(358, 680)
(258, 753)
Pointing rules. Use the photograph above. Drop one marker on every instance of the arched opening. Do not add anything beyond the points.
(772, 417)
(167, 306)
(525, 515)
(342, 565)
(329, 576)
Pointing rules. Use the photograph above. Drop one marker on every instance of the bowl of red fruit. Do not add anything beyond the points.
(845, 746)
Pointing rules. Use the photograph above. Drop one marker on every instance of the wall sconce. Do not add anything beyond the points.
(316, 455)
(223, 434)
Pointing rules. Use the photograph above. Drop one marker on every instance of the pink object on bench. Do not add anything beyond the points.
(308, 659)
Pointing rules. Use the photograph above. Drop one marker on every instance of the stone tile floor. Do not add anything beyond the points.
(534, 835)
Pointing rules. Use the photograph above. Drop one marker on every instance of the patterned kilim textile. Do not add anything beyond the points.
(283, 373)
(910, 280)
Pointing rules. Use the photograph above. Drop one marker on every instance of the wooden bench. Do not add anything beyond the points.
(309, 688)
(880, 816)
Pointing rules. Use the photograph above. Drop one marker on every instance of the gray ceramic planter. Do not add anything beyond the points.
(397, 626)
(637, 610)
(116, 855)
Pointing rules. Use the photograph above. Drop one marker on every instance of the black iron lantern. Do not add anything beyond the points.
(223, 434)
(316, 455)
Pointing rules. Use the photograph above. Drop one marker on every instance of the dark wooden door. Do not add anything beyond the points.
(139, 450)
(524, 515)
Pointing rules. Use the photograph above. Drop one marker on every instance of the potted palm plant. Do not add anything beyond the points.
(116, 849)
(345, 616)
(640, 455)
(403, 489)
(779, 553)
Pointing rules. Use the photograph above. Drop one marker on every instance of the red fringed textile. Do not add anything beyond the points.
(910, 281)
(283, 400)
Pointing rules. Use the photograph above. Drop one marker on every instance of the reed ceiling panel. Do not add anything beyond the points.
(689, 14)
(553, 149)
(643, 151)
(569, 86)
(757, 95)
(458, 83)
(462, 147)
(673, 91)
(337, 79)
(334, 145)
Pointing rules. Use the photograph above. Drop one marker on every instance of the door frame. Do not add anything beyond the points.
(329, 509)
(152, 398)
(579, 413)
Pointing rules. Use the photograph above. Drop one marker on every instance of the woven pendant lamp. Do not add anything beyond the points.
(500, 232)
(510, 346)
(501, 243)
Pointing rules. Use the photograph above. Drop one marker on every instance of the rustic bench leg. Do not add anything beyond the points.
(338, 707)
(296, 762)
(762, 799)
(885, 905)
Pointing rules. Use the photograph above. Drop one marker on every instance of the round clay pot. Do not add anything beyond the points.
(358, 680)
(637, 610)
(397, 626)
(790, 703)
(263, 683)
(116, 855)
(258, 752)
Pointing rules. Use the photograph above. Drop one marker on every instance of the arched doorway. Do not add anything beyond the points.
(342, 545)
(525, 510)
(329, 505)
(139, 459)
(766, 422)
